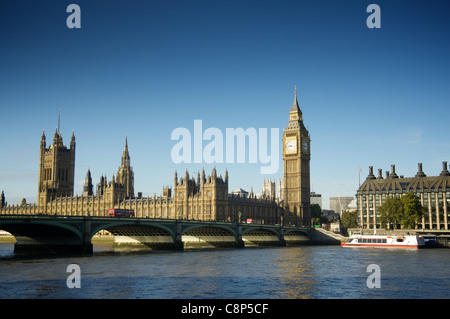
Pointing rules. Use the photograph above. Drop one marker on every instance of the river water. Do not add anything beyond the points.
(318, 272)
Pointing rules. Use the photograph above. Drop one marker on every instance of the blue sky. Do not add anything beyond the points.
(370, 97)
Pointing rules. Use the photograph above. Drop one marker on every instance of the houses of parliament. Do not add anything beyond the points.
(201, 197)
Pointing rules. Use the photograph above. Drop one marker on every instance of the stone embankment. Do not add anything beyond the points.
(321, 236)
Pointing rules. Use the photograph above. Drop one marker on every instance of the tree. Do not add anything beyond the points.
(316, 211)
(412, 210)
(391, 211)
(316, 215)
(406, 211)
(349, 219)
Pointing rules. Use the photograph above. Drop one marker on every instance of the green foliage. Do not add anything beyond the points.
(391, 211)
(316, 211)
(406, 211)
(316, 215)
(412, 210)
(349, 219)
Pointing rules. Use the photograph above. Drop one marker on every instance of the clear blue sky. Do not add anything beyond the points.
(370, 97)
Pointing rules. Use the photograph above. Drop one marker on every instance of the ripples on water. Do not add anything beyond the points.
(281, 272)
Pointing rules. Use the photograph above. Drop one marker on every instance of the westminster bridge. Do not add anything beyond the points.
(73, 234)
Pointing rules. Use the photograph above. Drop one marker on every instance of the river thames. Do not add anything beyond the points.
(313, 272)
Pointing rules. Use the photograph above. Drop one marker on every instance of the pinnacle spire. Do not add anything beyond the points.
(295, 106)
(72, 139)
(125, 155)
(295, 112)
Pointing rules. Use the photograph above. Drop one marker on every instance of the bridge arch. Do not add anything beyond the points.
(262, 237)
(209, 236)
(296, 236)
(37, 228)
(187, 229)
(260, 231)
(138, 227)
(291, 232)
(44, 235)
(130, 234)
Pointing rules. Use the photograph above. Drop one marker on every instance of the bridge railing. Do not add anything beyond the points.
(203, 222)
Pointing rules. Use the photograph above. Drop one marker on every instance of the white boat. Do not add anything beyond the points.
(387, 241)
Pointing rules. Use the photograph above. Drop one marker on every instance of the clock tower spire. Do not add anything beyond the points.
(296, 168)
(295, 113)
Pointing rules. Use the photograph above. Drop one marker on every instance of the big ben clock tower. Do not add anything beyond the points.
(296, 177)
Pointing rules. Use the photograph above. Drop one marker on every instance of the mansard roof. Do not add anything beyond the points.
(420, 183)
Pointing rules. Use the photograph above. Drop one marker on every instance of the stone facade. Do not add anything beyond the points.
(200, 198)
(296, 168)
(56, 170)
(434, 194)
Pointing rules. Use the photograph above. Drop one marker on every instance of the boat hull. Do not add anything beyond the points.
(380, 246)
(385, 241)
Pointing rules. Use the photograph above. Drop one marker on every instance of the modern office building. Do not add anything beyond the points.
(316, 199)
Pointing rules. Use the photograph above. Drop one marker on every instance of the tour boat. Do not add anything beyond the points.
(388, 241)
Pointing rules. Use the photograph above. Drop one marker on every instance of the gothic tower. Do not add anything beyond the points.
(125, 174)
(56, 169)
(296, 176)
(2, 200)
(268, 188)
(88, 187)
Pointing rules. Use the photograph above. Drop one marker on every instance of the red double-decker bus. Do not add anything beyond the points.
(115, 212)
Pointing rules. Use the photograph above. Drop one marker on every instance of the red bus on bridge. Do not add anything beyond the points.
(115, 212)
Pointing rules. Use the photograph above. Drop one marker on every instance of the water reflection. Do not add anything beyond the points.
(295, 273)
(6, 250)
(275, 272)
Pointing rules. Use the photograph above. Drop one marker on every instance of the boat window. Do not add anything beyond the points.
(372, 240)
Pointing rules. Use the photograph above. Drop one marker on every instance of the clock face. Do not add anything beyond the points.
(305, 147)
(291, 146)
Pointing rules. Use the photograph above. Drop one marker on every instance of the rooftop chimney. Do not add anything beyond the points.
(445, 171)
(393, 174)
(380, 173)
(371, 176)
(420, 172)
